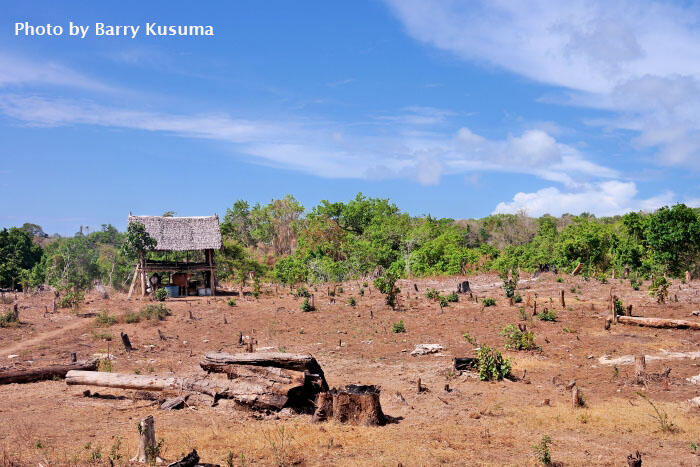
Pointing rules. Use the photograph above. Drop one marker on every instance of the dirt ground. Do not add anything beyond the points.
(472, 423)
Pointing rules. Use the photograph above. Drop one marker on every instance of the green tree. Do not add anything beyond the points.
(673, 235)
(18, 255)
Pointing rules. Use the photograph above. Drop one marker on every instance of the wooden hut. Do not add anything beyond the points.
(177, 238)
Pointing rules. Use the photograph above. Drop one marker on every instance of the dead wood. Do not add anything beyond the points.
(659, 322)
(31, 375)
(255, 387)
(297, 362)
(355, 405)
(126, 342)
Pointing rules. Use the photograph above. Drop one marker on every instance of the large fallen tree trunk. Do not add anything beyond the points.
(258, 388)
(659, 322)
(31, 375)
(220, 362)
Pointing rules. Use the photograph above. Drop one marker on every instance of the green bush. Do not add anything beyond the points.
(340, 290)
(132, 317)
(453, 297)
(518, 340)
(488, 301)
(105, 320)
(362, 292)
(431, 294)
(352, 301)
(659, 289)
(71, 299)
(160, 294)
(306, 305)
(155, 312)
(547, 315)
(619, 307)
(518, 298)
(302, 292)
(398, 327)
(541, 450)
(231, 302)
(443, 301)
(559, 279)
(492, 365)
(8, 319)
(104, 336)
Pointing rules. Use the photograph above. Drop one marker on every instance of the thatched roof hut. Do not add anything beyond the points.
(182, 233)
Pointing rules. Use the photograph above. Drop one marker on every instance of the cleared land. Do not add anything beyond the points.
(475, 422)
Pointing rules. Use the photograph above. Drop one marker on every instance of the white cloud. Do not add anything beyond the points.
(328, 149)
(604, 199)
(19, 71)
(637, 58)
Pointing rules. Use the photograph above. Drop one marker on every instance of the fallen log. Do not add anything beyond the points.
(258, 388)
(217, 361)
(659, 322)
(356, 405)
(31, 375)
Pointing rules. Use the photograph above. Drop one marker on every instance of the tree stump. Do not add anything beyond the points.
(15, 312)
(687, 277)
(534, 308)
(563, 303)
(147, 442)
(463, 287)
(576, 398)
(126, 342)
(640, 368)
(634, 460)
(355, 405)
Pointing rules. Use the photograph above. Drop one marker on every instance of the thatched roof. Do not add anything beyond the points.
(182, 233)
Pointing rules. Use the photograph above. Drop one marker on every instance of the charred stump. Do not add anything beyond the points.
(354, 405)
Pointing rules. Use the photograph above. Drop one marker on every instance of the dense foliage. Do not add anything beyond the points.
(336, 241)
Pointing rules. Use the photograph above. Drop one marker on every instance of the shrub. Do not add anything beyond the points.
(386, 284)
(635, 283)
(559, 279)
(231, 302)
(619, 307)
(398, 327)
(523, 314)
(660, 416)
(302, 292)
(155, 312)
(431, 294)
(362, 291)
(104, 336)
(541, 450)
(659, 289)
(132, 317)
(517, 339)
(547, 315)
(443, 301)
(105, 320)
(105, 365)
(340, 290)
(488, 301)
(160, 294)
(306, 305)
(71, 299)
(492, 365)
(352, 301)
(453, 297)
(8, 319)
(518, 298)
(365, 285)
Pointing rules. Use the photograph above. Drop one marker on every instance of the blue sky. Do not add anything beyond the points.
(458, 109)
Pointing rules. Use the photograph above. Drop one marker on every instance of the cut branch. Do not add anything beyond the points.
(31, 375)
(659, 322)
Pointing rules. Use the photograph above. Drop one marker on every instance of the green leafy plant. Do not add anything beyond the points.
(443, 301)
(492, 365)
(432, 294)
(541, 450)
(547, 315)
(619, 307)
(132, 317)
(71, 299)
(386, 284)
(362, 291)
(302, 291)
(398, 328)
(523, 314)
(659, 289)
(104, 336)
(453, 297)
(518, 340)
(8, 319)
(105, 365)
(340, 290)
(105, 320)
(160, 294)
(660, 416)
(231, 302)
(306, 305)
(352, 301)
(155, 312)
(488, 301)
(559, 279)
(518, 298)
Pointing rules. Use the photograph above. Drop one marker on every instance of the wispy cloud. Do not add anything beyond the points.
(639, 59)
(341, 82)
(332, 149)
(16, 71)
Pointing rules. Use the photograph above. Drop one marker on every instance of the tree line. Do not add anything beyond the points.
(334, 241)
